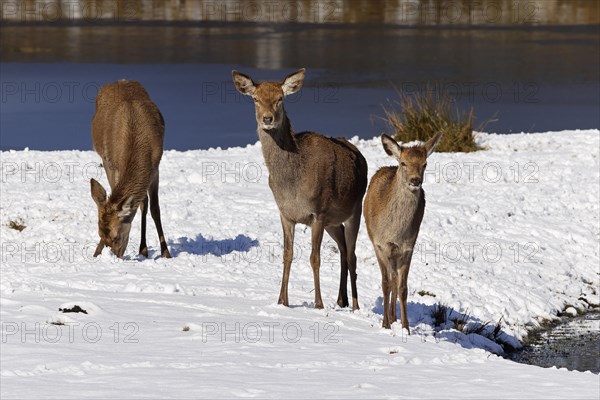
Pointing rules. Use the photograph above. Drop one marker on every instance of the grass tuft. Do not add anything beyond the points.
(460, 323)
(439, 313)
(497, 330)
(421, 115)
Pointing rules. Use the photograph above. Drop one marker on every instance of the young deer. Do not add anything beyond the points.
(127, 132)
(316, 181)
(394, 208)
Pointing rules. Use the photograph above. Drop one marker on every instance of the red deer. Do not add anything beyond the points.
(127, 133)
(315, 180)
(394, 207)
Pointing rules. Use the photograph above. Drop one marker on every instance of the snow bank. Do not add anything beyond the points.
(510, 232)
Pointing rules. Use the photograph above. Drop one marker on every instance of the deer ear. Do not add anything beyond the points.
(391, 147)
(98, 192)
(127, 208)
(243, 83)
(432, 143)
(293, 82)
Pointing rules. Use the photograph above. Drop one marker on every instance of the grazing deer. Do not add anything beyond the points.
(394, 208)
(316, 181)
(127, 132)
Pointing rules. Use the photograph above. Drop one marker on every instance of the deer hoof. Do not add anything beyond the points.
(342, 303)
(283, 302)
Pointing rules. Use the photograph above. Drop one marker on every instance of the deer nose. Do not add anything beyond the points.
(267, 120)
(416, 181)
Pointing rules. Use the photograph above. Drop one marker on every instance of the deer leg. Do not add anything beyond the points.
(155, 211)
(351, 233)
(143, 247)
(385, 287)
(394, 296)
(403, 293)
(337, 233)
(317, 230)
(391, 256)
(288, 255)
(402, 267)
(99, 248)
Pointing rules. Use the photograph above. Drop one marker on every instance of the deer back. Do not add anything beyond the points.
(127, 131)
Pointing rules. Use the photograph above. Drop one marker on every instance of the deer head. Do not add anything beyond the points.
(114, 219)
(412, 159)
(268, 96)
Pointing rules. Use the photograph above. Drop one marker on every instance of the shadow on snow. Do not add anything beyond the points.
(219, 247)
(475, 333)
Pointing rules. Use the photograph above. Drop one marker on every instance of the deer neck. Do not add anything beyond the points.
(134, 178)
(279, 147)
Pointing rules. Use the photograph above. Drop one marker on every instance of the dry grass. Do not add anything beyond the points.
(460, 322)
(17, 225)
(439, 313)
(476, 328)
(419, 116)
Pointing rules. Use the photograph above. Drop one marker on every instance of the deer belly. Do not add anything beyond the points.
(295, 209)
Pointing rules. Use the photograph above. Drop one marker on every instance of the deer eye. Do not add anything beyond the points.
(424, 165)
(279, 100)
(403, 164)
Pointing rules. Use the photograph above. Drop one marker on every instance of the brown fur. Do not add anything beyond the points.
(127, 132)
(316, 181)
(393, 212)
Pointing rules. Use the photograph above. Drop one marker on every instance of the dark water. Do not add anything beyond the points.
(535, 69)
(574, 344)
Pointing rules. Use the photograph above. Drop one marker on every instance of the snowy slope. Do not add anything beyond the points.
(511, 232)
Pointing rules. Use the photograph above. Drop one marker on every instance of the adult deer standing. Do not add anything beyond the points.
(316, 181)
(127, 132)
(394, 208)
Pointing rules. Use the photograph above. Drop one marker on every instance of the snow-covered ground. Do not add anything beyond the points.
(511, 232)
